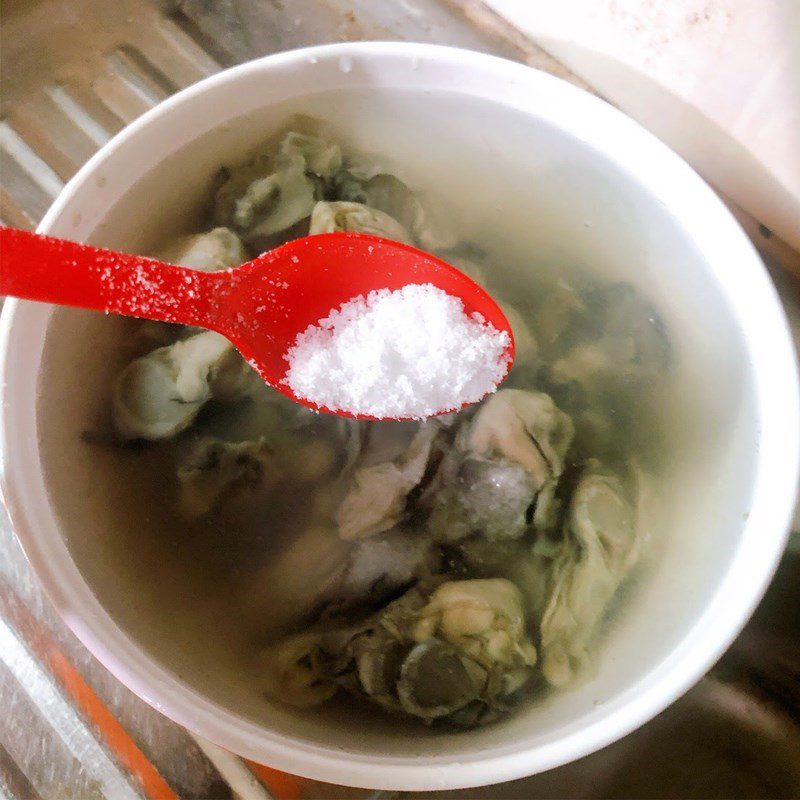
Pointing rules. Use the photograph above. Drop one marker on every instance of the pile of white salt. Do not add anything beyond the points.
(406, 354)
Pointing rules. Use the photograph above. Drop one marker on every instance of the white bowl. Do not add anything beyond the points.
(519, 157)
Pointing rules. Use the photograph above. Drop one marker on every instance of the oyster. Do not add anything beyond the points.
(430, 654)
(599, 547)
(624, 347)
(484, 619)
(159, 395)
(217, 470)
(390, 195)
(377, 498)
(501, 476)
(385, 562)
(414, 559)
(322, 157)
(289, 674)
(214, 250)
(523, 427)
(272, 193)
(329, 217)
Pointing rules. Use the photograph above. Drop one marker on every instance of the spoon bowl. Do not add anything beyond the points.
(283, 291)
(260, 306)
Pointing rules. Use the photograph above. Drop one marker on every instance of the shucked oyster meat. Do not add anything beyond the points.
(599, 546)
(459, 652)
(433, 570)
(160, 394)
(500, 476)
(378, 498)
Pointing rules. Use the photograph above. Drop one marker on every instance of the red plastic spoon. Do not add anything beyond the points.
(260, 306)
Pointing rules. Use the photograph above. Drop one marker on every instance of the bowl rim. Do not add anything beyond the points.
(723, 244)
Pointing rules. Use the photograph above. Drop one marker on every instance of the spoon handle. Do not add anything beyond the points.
(36, 267)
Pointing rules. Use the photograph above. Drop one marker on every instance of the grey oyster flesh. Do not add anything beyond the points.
(432, 569)
(430, 654)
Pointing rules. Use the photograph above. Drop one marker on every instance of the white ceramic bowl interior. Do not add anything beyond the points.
(544, 174)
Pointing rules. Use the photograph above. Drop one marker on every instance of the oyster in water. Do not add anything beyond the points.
(433, 570)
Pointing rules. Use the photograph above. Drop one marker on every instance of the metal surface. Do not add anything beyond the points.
(73, 73)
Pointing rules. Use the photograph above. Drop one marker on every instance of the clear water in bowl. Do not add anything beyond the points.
(542, 215)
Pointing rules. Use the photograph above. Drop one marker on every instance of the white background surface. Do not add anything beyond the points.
(717, 80)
